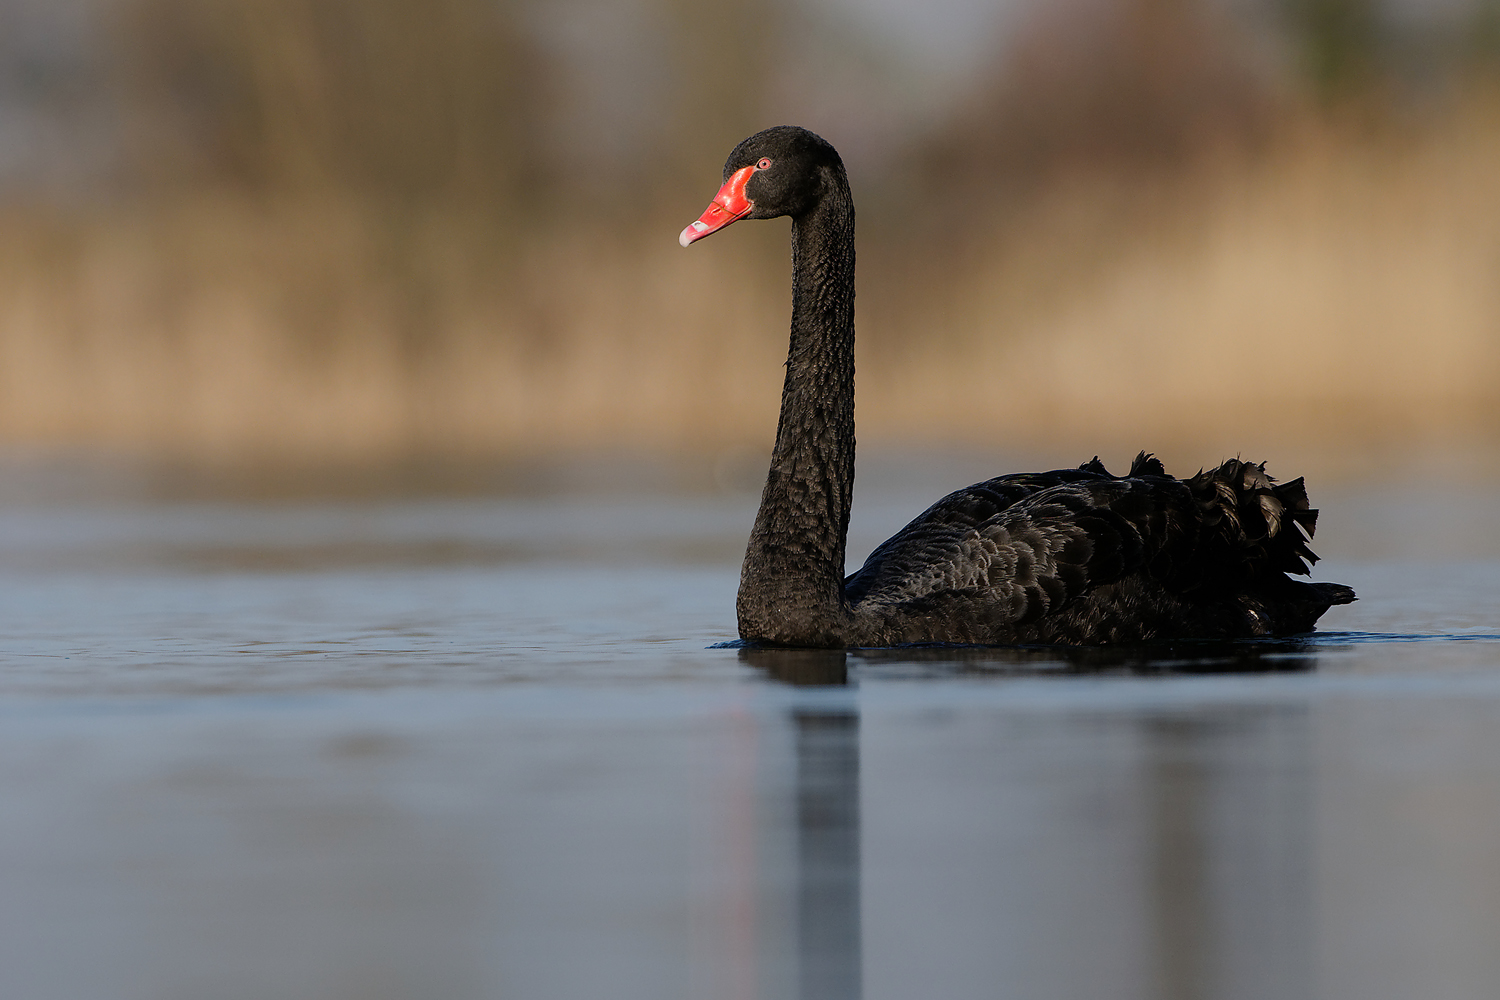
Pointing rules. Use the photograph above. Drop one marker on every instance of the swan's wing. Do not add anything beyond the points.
(1058, 536)
(1021, 546)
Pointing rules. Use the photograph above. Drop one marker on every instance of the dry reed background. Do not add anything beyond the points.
(362, 230)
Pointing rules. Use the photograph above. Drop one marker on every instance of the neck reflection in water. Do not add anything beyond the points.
(829, 953)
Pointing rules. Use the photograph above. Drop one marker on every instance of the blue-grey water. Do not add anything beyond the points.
(475, 744)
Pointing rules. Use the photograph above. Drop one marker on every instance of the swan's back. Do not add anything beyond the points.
(1082, 556)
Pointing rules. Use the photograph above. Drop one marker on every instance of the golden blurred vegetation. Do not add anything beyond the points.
(362, 230)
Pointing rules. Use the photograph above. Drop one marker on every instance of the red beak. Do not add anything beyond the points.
(728, 205)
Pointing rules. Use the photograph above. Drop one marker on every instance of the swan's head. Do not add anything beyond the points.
(782, 171)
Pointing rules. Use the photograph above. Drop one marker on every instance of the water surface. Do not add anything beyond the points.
(478, 745)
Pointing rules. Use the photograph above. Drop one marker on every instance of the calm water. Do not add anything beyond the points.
(479, 747)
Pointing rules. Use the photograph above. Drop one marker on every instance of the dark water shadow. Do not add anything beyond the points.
(1246, 656)
(800, 667)
(822, 667)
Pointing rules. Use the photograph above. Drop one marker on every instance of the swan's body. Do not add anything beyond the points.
(1071, 556)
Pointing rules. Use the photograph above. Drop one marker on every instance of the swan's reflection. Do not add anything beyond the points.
(1216, 833)
(829, 952)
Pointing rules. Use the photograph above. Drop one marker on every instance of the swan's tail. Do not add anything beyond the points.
(1266, 523)
(1255, 532)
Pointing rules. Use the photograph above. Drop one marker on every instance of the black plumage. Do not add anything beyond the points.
(1070, 556)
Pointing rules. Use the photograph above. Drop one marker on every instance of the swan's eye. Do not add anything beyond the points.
(765, 161)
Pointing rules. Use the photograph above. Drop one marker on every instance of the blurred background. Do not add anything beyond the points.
(374, 467)
(357, 233)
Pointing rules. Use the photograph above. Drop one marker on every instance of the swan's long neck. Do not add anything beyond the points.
(792, 583)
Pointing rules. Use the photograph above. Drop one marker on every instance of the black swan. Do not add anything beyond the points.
(1072, 556)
